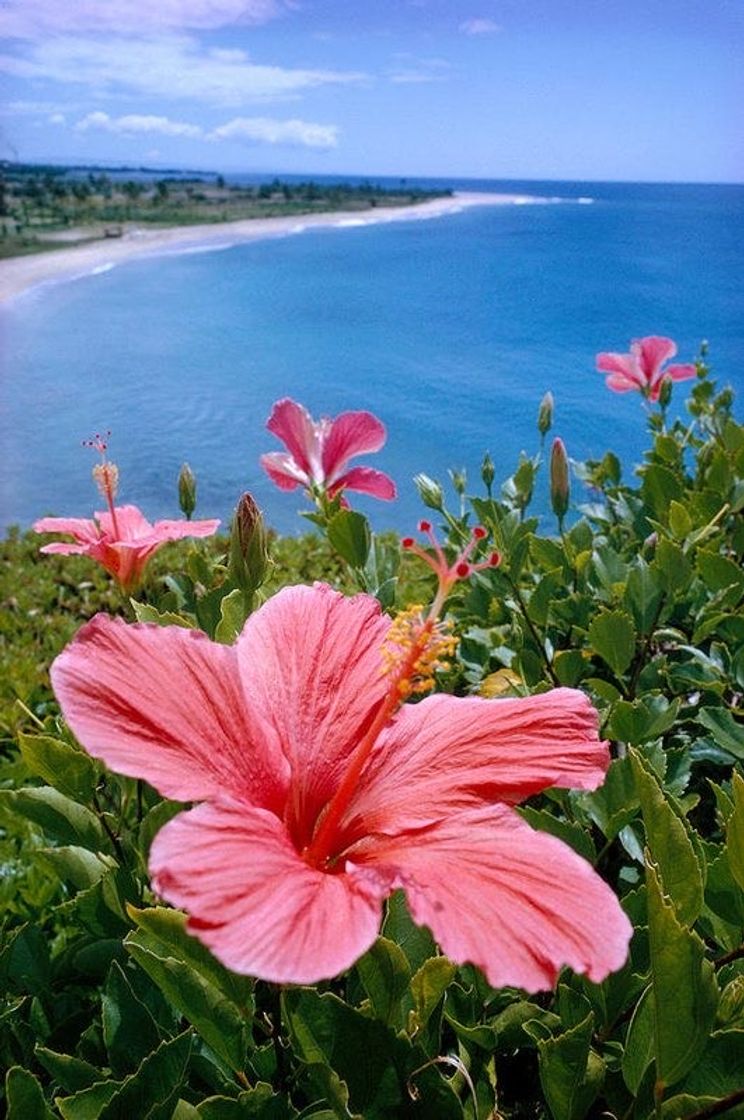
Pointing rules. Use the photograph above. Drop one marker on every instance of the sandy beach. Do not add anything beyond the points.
(19, 274)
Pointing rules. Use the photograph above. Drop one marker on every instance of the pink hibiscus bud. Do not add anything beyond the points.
(187, 490)
(643, 369)
(545, 414)
(559, 485)
(249, 554)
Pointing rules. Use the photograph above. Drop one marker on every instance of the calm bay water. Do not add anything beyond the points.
(450, 329)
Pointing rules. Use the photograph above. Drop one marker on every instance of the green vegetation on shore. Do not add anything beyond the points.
(48, 207)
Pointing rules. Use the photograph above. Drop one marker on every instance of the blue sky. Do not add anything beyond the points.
(562, 89)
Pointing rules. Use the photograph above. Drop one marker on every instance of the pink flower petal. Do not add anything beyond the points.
(519, 904)
(619, 383)
(447, 753)
(651, 353)
(680, 373)
(165, 704)
(293, 425)
(624, 367)
(282, 469)
(311, 663)
(63, 548)
(131, 523)
(84, 529)
(351, 433)
(366, 480)
(255, 903)
(163, 531)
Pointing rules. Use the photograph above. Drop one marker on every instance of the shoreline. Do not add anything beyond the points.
(19, 275)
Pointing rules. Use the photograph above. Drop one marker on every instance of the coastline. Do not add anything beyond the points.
(20, 274)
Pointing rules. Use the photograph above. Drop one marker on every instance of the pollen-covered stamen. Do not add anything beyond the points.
(105, 474)
(415, 649)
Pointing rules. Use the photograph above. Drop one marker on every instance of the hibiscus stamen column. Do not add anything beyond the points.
(105, 475)
(416, 647)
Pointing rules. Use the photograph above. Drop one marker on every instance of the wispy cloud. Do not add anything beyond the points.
(35, 19)
(480, 27)
(253, 130)
(410, 69)
(168, 67)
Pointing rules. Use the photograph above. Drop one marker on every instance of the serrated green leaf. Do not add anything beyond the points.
(24, 1099)
(570, 1079)
(75, 866)
(427, 989)
(415, 941)
(385, 975)
(660, 488)
(569, 666)
(232, 617)
(69, 1073)
(680, 522)
(144, 612)
(672, 566)
(727, 732)
(61, 765)
(348, 532)
(670, 845)
(643, 595)
(259, 1103)
(684, 989)
(613, 635)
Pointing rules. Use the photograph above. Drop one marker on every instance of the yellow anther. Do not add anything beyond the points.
(417, 648)
(106, 477)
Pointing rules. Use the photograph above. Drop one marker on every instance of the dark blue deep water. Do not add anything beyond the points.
(449, 329)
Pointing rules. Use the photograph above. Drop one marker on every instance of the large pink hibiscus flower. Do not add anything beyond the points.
(321, 793)
(643, 368)
(318, 451)
(120, 538)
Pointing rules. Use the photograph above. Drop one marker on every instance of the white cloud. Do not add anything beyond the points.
(40, 19)
(255, 130)
(134, 123)
(170, 67)
(263, 130)
(412, 70)
(57, 118)
(479, 27)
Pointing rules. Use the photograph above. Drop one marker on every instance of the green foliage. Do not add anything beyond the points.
(110, 1009)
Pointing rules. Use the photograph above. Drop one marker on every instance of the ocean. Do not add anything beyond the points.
(449, 329)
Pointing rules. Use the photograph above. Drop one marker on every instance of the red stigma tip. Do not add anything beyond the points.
(494, 559)
(462, 570)
(407, 542)
(479, 532)
(424, 526)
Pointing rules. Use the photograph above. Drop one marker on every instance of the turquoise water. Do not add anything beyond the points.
(450, 329)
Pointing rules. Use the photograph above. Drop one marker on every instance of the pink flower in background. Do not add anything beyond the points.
(641, 369)
(318, 451)
(321, 792)
(120, 538)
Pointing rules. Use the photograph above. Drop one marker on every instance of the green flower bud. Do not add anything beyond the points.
(187, 490)
(430, 491)
(545, 414)
(488, 471)
(459, 481)
(665, 392)
(559, 487)
(249, 556)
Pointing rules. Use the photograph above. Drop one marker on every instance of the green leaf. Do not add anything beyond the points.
(75, 866)
(571, 833)
(569, 666)
(718, 572)
(348, 532)
(680, 521)
(58, 816)
(615, 803)
(150, 1093)
(258, 1103)
(672, 566)
(60, 764)
(24, 961)
(415, 941)
(613, 636)
(571, 1076)
(669, 843)
(385, 975)
(727, 732)
(144, 612)
(222, 1025)
(659, 489)
(70, 1073)
(639, 1043)
(129, 1030)
(24, 1099)
(232, 617)
(735, 831)
(638, 721)
(427, 989)
(685, 994)
(719, 1071)
(643, 594)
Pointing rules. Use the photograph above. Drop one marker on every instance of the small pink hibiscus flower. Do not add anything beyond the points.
(322, 791)
(318, 451)
(641, 369)
(121, 539)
